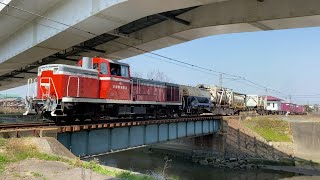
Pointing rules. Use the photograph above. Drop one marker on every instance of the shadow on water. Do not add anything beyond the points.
(140, 160)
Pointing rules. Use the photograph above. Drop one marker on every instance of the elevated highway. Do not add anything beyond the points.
(63, 31)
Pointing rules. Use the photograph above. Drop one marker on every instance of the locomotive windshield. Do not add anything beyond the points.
(103, 68)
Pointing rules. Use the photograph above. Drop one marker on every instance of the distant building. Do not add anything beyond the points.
(273, 103)
(11, 101)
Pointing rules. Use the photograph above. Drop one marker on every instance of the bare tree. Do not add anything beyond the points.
(166, 165)
(158, 76)
(137, 74)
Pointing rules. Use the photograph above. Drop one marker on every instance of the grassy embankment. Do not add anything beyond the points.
(15, 150)
(270, 128)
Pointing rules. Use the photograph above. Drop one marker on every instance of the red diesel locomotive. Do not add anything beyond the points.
(99, 87)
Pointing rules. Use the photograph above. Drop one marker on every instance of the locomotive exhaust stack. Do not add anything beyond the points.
(87, 63)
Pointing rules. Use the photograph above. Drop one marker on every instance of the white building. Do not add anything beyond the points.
(273, 103)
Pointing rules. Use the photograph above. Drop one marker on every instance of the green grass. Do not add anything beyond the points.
(35, 174)
(2, 142)
(15, 150)
(269, 128)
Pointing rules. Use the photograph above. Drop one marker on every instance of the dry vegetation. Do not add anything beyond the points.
(16, 150)
(270, 128)
(7, 110)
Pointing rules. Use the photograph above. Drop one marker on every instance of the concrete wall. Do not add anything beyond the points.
(306, 140)
(241, 145)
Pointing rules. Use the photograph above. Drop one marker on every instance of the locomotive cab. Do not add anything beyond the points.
(114, 79)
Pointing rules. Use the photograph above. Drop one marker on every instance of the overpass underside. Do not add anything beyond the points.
(122, 29)
(112, 139)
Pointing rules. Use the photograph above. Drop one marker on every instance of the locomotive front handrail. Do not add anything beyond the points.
(78, 88)
(30, 90)
(28, 86)
(54, 87)
(35, 87)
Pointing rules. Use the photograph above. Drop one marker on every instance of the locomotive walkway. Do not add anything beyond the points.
(101, 138)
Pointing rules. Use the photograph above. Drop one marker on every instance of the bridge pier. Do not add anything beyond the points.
(189, 147)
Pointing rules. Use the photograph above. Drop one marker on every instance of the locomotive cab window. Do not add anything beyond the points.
(115, 69)
(103, 68)
(95, 66)
(124, 71)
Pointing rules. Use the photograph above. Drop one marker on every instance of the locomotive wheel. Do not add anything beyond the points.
(95, 118)
(81, 119)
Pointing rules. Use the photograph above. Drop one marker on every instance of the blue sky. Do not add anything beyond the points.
(285, 60)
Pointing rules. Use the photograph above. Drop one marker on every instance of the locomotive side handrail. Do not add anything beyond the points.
(131, 93)
(138, 86)
(78, 87)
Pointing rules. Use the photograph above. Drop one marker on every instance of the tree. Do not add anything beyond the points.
(137, 74)
(158, 76)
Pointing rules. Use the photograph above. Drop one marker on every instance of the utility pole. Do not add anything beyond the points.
(266, 91)
(290, 99)
(220, 80)
(266, 98)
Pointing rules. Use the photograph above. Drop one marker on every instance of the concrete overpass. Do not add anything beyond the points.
(123, 28)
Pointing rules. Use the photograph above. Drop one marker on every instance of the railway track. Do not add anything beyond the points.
(24, 125)
(6, 126)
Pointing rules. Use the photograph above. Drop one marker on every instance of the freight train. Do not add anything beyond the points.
(98, 87)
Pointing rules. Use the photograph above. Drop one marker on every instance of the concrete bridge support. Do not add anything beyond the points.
(188, 148)
(306, 140)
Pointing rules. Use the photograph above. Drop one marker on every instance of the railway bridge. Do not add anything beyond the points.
(102, 138)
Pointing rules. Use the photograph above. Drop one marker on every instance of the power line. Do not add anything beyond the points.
(219, 72)
(307, 95)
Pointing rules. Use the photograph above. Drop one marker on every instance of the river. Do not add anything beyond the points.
(140, 160)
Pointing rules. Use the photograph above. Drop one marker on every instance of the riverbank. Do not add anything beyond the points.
(28, 158)
(150, 162)
(250, 144)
